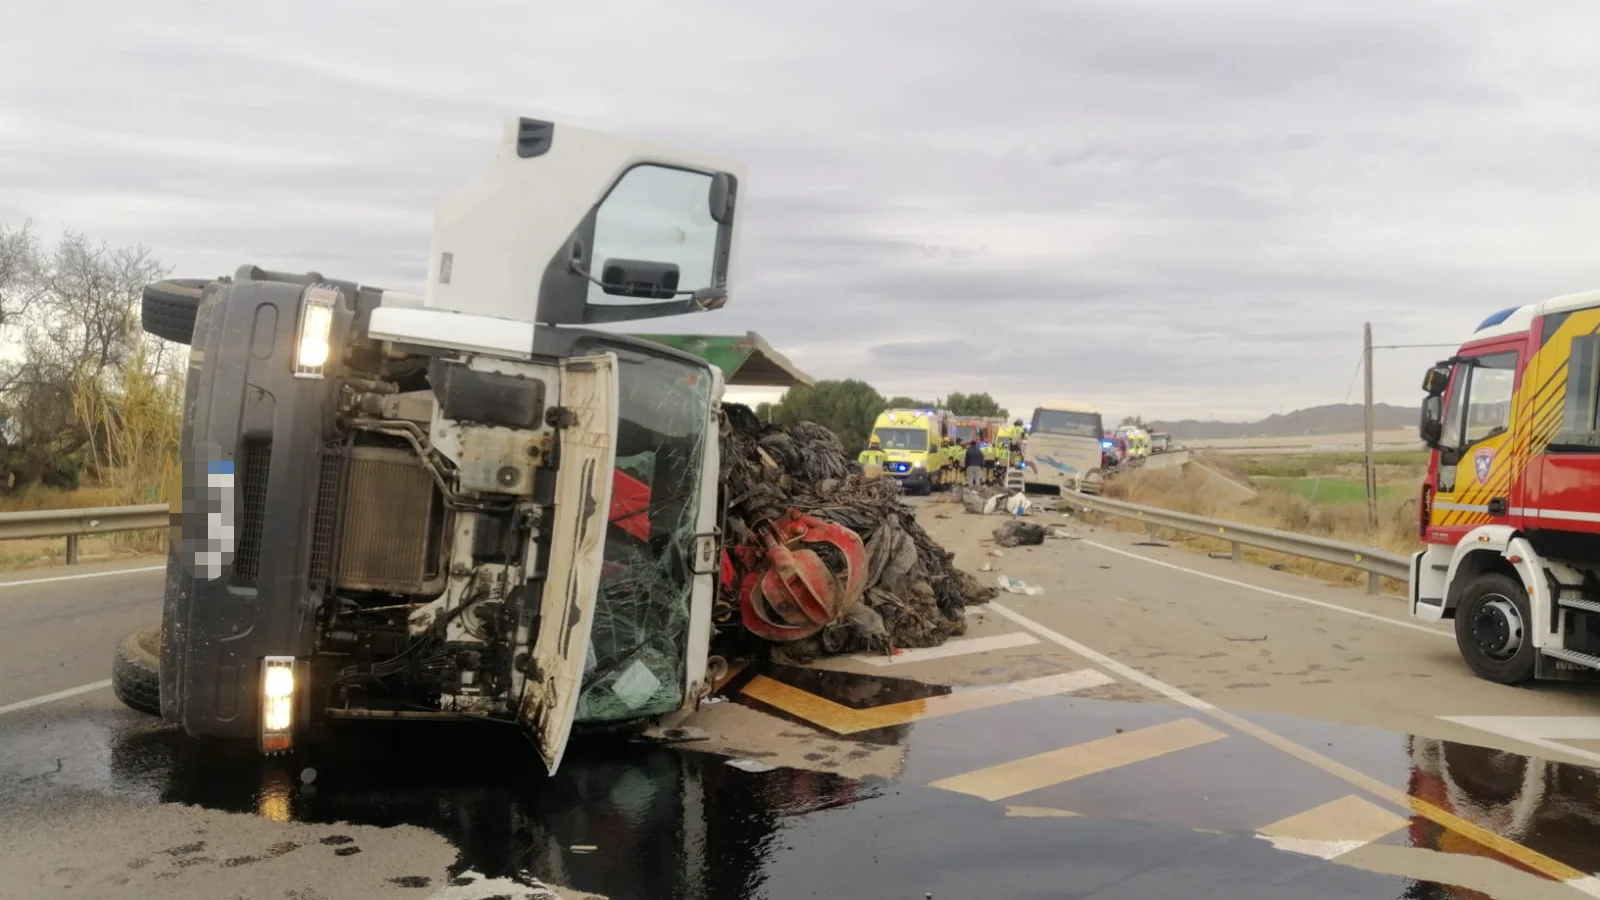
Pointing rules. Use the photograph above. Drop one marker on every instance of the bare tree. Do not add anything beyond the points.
(20, 265)
(83, 359)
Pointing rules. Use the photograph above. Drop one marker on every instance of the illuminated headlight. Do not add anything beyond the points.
(311, 347)
(920, 466)
(277, 702)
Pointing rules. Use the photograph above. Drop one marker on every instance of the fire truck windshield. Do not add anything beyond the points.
(1480, 402)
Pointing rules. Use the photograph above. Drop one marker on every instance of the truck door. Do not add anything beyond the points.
(1564, 492)
(577, 542)
(1479, 459)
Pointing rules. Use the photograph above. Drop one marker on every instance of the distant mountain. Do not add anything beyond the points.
(1335, 418)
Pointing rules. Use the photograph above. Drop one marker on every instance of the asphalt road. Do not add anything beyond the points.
(1153, 724)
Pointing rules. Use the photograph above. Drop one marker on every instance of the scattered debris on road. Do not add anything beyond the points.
(1018, 586)
(1017, 534)
(911, 594)
(754, 766)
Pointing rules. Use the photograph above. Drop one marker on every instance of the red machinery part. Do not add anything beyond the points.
(788, 591)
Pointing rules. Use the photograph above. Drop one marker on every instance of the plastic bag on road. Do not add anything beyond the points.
(1018, 586)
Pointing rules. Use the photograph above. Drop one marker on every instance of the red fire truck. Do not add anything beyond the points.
(1510, 509)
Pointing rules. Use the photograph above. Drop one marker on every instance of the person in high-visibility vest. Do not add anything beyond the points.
(872, 458)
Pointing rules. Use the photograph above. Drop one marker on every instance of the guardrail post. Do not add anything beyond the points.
(72, 549)
(1153, 530)
(1373, 579)
(1235, 551)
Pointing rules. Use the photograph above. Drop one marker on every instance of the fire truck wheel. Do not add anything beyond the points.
(168, 308)
(1492, 629)
(135, 675)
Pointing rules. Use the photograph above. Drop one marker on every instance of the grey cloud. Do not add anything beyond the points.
(1173, 208)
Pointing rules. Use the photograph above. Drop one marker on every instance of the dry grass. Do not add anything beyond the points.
(1277, 508)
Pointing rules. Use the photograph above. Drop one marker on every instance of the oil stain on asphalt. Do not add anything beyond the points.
(636, 821)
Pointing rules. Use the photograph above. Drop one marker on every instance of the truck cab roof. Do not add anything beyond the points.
(1517, 319)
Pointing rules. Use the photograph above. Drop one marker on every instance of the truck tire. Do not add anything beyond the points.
(169, 307)
(135, 672)
(1493, 629)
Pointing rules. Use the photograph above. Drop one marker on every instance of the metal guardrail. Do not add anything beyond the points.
(75, 523)
(1376, 563)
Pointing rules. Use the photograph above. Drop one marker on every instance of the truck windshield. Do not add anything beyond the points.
(1480, 399)
(1076, 424)
(913, 439)
(636, 662)
(966, 433)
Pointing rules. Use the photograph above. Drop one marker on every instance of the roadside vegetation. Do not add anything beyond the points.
(1310, 495)
(90, 406)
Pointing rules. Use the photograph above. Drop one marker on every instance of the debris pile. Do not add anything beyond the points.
(913, 595)
(1016, 533)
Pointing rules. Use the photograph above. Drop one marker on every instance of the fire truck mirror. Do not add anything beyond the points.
(1432, 425)
(1436, 380)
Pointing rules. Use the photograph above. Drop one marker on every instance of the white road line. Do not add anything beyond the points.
(1541, 731)
(959, 647)
(21, 705)
(55, 578)
(1544, 865)
(1269, 591)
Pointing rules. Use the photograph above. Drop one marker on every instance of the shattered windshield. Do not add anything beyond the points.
(636, 658)
(914, 439)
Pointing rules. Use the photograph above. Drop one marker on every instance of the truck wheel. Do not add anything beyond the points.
(135, 675)
(169, 308)
(1492, 629)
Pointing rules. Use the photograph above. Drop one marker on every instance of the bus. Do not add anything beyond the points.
(1063, 448)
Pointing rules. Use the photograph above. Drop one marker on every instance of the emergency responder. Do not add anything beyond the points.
(872, 458)
(974, 464)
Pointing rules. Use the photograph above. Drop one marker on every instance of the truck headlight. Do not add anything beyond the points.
(277, 702)
(311, 346)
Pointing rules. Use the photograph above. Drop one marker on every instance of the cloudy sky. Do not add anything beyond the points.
(1175, 208)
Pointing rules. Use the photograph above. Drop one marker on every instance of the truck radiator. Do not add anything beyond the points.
(393, 525)
(255, 460)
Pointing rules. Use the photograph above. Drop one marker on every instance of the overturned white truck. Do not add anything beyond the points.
(402, 507)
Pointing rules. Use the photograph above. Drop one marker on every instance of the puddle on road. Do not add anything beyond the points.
(628, 820)
(624, 821)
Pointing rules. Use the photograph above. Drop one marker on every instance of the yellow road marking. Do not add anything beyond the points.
(1039, 812)
(1527, 856)
(1056, 766)
(841, 719)
(1333, 829)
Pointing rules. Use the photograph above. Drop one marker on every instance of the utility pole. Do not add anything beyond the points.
(1371, 478)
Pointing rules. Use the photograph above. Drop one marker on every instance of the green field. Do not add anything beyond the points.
(1332, 489)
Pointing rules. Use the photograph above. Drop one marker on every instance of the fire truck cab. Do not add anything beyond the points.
(1509, 513)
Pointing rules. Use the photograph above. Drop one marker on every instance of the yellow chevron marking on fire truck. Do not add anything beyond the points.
(1537, 413)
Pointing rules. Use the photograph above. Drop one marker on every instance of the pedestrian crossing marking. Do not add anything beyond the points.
(1332, 829)
(1039, 812)
(958, 647)
(1053, 767)
(841, 719)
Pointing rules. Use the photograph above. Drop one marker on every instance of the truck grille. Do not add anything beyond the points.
(255, 463)
(327, 516)
(392, 522)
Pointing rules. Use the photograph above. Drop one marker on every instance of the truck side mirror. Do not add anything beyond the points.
(1436, 380)
(639, 278)
(1431, 428)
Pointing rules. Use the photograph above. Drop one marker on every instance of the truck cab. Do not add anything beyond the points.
(1509, 513)
(396, 506)
(913, 445)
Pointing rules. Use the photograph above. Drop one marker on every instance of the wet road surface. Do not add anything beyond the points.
(1008, 764)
